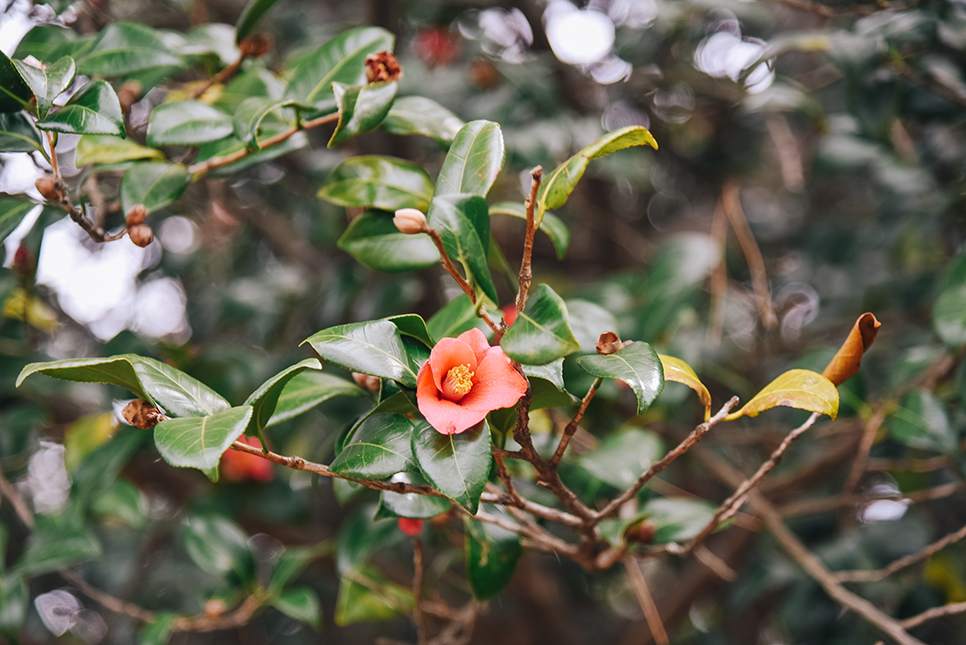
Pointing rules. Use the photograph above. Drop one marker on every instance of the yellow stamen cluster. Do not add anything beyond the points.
(460, 379)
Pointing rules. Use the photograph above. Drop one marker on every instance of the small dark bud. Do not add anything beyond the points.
(23, 262)
(141, 235)
(141, 414)
(255, 45)
(47, 186)
(641, 532)
(128, 95)
(136, 215)
(382, 68)
(367, 381)
(484, 75)
(609, 343)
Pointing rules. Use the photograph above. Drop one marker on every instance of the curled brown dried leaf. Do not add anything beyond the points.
(845, 363)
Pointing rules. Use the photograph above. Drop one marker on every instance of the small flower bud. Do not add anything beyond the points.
(410, 221)
(128, 95)
(136, 215)
(608, 343)
(641, 532)
(410, 527)
(367, 381)
(255, 45)
(382, 68)
(215, 608)
(47, 186)
(141, 235)
(23, 263)
(141, 414)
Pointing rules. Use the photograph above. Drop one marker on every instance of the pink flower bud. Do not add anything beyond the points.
(410, 527)
(410, 221)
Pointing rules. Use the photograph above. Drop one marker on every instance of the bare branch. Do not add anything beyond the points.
(865, 445)
(932, 614)
(651, 614)
(571, 428)
(901, 563)
(756, 264)
(19, 505)
(526, 273)
(460, 280)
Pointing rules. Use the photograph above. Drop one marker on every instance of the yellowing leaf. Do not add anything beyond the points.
(85, 435)
(21, 306)
(845, 363)
(680, 372)
(802, 389)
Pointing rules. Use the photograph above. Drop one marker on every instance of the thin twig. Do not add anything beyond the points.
(418, 592)
(460, 280)
(926, 465)
(715, 564)
(811, 506)
(756, 264)
(526, 273)
(862, 456)
(651, 614)
(901, 563)
(932, 614)
(19, 505)
(220, 77)
(571, 428)
(665, 461)
(719, 277)
(106, 600)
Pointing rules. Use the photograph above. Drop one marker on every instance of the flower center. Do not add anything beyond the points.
(458, 382)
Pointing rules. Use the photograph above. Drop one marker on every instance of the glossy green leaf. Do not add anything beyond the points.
(623, 457)
(375, 181)
(463, 222)
(12, 212)
(50, 43)
(213, 43)
(92, 110)
(680, 372)
(541, 333)
(361, 108)
(367, 596)
(414, 326)
(921, 422)
(168, 388)
(454, 318)
(307, 390)
(341, 60)
(155, 185)
(491, 555)
(15, 94)
(250, 114)
(187, 123)
(547, 385)
(370, 348)
(474, 160)
(678, 519)
(419, 115)
(18, 134)
(588, 321)
(411, 505)
(52, 546)
(377, 449)
(218, 546)
(552, 225)
(558, 184)
(198, 442)
(637, 365)
(250, 17)
(103, 149)
(301, 604)
(457, 465)
(375, 242)
(123, 48)
(47, 83)
(265, 399)
(802, 389)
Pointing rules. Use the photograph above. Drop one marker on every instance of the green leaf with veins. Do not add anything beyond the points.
(187, 123)
(474, 160)
(378, 449)
(155, 185)
(265, 399)
(123, 48)
(457, 465)
(361, 108)
(307, 390)
(18, 134)
(375, 242)
(375, 181)
(637, 365)
(15, 94)
(541, 333)
(92, 110)
(419, 115)
(47, 83)
(463, 222)
(198, 442)
(370, 348)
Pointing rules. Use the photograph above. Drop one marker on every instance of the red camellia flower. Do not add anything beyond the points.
(239, 466)
(464, 380)
(410, 527)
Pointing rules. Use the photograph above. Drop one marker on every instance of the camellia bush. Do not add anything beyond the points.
(406, 467)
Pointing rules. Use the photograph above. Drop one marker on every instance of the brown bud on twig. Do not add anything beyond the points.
(609, 343)
(136, 215)
(255, 45)
(141, 414)
(141, 235)
(128, 95)
(367, 381)
(47, 186)
(410, 221)
(641, 532)
(382, 68)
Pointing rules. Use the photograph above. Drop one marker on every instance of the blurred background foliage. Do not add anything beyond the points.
(832, 134)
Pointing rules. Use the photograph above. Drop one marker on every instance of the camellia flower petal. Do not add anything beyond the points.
(464, 380)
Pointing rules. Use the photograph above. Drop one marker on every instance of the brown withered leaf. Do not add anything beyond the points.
(382, 67)
(141, 414)
(845, 363)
